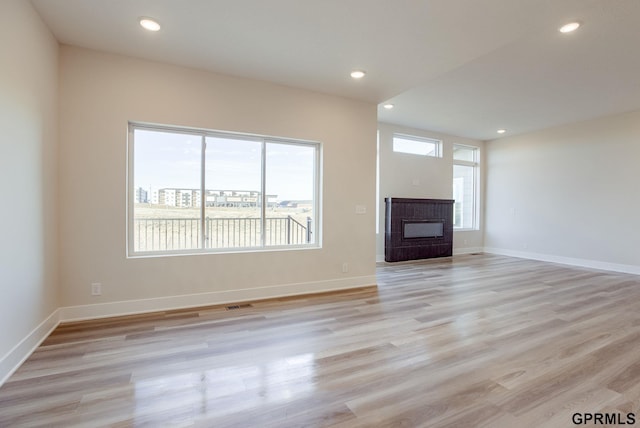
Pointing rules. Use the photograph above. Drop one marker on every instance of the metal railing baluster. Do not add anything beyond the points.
(178, 233)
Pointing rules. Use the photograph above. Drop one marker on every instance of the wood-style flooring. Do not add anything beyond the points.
(468, 341)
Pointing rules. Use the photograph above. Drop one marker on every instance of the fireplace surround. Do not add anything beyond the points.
(418, 228)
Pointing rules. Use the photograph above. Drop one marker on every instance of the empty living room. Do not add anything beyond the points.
(338, 213)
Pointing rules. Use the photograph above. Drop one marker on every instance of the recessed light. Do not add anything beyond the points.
(149, 24)
(388, 106)
(569, 27)
(358, 74)
(501, 131)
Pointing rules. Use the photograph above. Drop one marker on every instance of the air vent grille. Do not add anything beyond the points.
(241, 306)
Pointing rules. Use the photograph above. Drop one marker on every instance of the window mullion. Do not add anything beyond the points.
(203, 151)
(263, 192)
(464, 163)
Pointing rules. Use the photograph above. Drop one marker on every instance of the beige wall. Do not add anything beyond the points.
(28, 182)
(409, 176)
(569, 193)
(100, 93)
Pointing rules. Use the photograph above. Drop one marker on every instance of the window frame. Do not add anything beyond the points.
(418, 139)
(475, 164)
(203, 134)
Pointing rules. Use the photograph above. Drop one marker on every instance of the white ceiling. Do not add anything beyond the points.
(463, 67)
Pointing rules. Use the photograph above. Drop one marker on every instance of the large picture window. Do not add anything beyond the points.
(206, 191)
(465, 187)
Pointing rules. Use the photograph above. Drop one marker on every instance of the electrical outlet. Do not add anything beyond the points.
(345, 267)
(96, 289)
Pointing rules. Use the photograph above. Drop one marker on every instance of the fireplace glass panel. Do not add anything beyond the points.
(423, 229)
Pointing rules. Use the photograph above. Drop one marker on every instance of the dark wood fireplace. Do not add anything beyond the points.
(418, 229)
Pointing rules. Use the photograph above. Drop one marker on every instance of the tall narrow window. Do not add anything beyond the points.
(465, 187)
(206, 191)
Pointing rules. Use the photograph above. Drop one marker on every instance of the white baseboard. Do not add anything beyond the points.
(130, 307)
(592, 264)
(467, 250)
(11, 361)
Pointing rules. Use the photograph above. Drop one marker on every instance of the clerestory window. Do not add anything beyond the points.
(417, 145)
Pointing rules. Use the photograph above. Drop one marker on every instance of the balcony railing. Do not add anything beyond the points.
(168, 234)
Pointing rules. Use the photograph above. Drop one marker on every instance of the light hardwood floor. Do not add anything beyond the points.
(475, 340)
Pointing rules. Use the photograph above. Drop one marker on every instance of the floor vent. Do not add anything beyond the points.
(234, 307)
